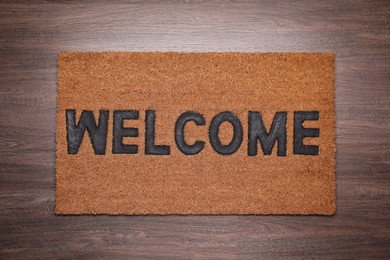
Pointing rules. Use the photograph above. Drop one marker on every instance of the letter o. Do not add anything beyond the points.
(236, 141)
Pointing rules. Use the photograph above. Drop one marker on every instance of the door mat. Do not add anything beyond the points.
(195, 133)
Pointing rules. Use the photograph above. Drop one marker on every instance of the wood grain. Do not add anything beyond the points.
(33, 32)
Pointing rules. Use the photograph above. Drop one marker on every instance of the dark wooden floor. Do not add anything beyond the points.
(33, 32)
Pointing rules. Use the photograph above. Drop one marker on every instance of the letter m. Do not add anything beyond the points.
(97, 133)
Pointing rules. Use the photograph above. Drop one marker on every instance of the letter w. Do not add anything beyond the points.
(97, 134)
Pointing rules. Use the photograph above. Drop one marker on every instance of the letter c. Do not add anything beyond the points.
(186, 149)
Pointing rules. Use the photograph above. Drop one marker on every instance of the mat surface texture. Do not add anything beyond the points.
(195, 133)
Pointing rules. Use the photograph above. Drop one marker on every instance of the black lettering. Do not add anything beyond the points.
(97, 134)
(119, 132)
(236, 141)
(257, 131)
(300, 132)
(150, 148)
(179, 133)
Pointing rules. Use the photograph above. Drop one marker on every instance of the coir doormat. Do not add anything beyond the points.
(195, 133)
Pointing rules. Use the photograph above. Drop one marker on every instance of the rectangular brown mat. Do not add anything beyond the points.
(195, 133)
